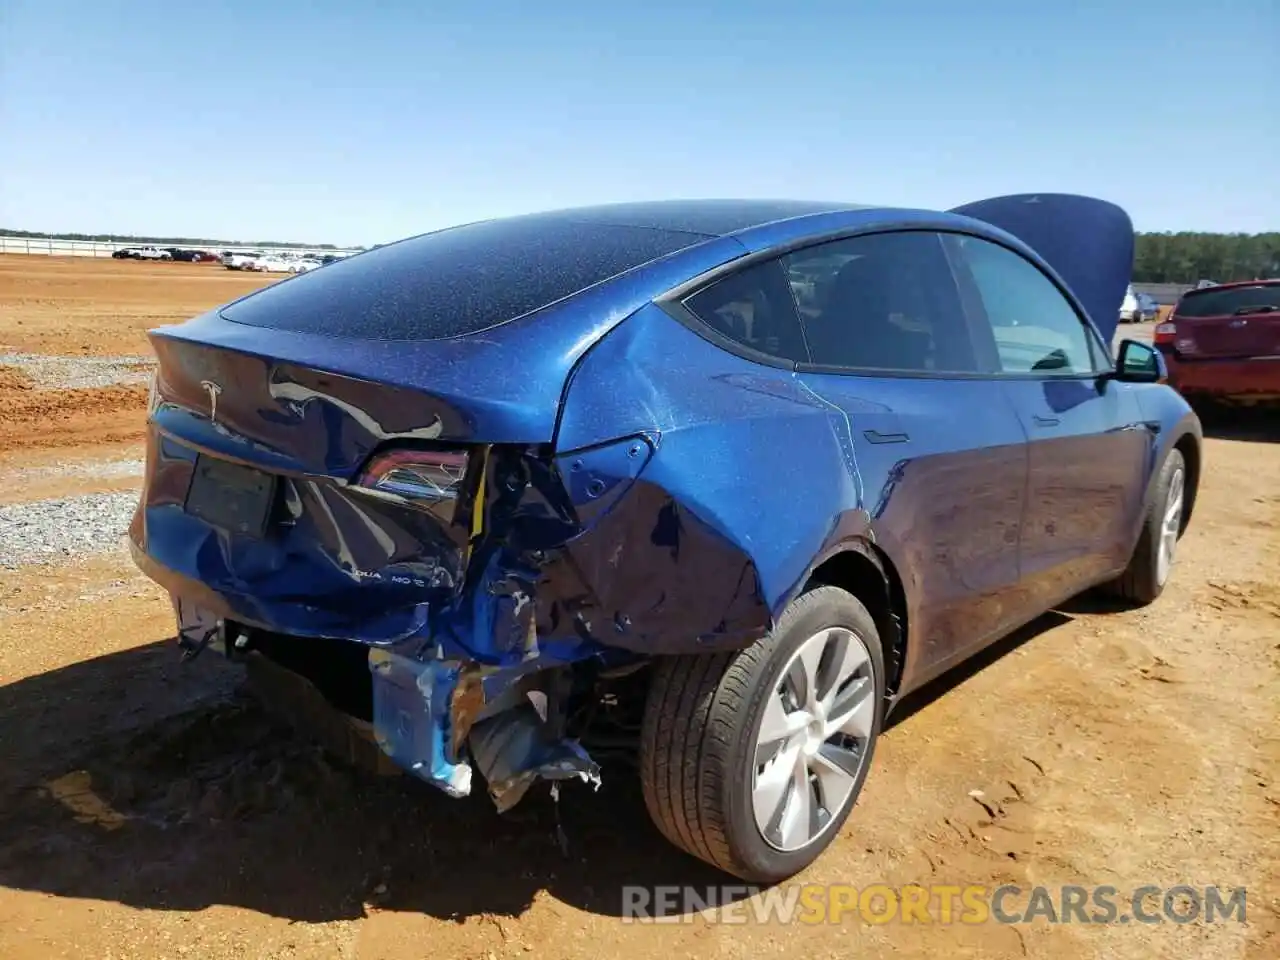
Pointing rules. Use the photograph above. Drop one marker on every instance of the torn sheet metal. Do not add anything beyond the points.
(514, 748)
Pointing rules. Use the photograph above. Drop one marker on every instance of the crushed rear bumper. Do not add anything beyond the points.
(437, 717)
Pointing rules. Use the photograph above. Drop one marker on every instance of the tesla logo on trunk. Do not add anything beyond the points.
(213, 390)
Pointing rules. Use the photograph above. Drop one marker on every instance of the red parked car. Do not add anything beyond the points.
(1222, 343)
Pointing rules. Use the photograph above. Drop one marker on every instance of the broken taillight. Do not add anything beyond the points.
(428, 478)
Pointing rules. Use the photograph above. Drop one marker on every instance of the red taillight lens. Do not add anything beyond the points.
(429, 478)
(1165, 332)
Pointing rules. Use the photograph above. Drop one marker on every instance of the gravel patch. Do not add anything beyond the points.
(41, 531)
(69, 373)
(94, 470)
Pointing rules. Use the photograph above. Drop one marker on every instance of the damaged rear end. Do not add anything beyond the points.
(353, 476)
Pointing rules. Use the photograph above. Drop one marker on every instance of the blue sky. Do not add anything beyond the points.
(359, 121)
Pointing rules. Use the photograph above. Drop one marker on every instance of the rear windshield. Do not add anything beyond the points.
(1215, 302)
(455, 281)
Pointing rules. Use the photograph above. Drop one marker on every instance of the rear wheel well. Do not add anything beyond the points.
(865, 572)
(1189, 447)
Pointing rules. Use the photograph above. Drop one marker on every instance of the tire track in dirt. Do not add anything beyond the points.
(43, 419)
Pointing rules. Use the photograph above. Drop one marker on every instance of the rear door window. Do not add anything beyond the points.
(883, 302)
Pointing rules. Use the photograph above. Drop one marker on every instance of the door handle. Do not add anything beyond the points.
(875, 436)
(1045, 421)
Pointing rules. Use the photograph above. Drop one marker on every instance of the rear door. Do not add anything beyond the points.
(1230, 323)
(1090, 450)
(941, 455)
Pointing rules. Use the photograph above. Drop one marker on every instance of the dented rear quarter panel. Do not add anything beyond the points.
(756, 479)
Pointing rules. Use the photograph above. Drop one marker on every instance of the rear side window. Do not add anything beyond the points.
(754, 308)
(886, 301)
(1233, 301)
(455, 281)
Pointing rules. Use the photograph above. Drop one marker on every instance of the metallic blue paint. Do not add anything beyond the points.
(635, 489)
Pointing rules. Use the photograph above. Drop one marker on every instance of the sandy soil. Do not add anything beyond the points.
(79, 305)
(149, 808)
(75, 306)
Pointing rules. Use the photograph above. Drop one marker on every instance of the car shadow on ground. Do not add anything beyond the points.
(1247, 425)
(140, 779)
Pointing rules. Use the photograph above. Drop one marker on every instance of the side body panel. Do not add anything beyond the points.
(943, 467)
(788, 469)
(1090, 453)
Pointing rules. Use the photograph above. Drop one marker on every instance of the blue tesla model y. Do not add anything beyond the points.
(732, 477)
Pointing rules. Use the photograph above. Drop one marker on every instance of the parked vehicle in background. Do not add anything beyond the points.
(303, 265)
(1221, 343)
(141, 253)
(1204, 284)
(188, 255)
(152, 253)
(233, 260)
(1130, 306)
(1148, 309)
(753, 470)
(270, 263)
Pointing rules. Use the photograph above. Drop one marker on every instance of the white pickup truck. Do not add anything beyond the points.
(239, 261)
(152, 253)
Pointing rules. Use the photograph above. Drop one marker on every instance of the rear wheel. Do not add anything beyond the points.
(1149, 567)
(752, 760)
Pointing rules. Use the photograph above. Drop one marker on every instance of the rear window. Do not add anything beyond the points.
(455, 281)
(1229, 301)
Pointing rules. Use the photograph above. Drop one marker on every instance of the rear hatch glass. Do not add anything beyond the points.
(457, 281)
(1234, 322)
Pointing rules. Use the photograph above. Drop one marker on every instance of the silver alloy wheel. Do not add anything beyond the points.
(1170, 526)
(813, 738)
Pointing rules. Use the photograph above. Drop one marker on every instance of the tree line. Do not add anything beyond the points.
(1191, 257)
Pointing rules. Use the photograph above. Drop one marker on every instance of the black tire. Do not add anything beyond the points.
(1143, 581)
(698, 753)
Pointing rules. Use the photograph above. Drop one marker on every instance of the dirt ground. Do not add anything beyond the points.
(150, 809)
(80, 305)
(75, 306)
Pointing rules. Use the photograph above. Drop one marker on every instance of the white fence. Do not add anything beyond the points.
(52, 247)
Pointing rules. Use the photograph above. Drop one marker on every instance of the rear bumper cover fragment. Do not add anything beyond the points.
(430, 714)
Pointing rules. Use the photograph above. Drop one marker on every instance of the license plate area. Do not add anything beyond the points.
(232, 497)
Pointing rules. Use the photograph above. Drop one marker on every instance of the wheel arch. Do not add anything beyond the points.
(864, 570)
(1188, 444)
